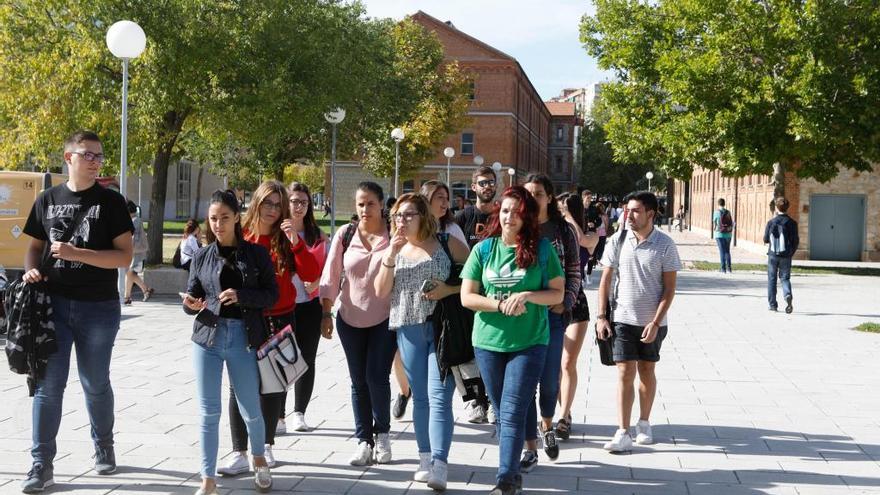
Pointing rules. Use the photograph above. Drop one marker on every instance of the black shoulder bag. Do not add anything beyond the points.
(606, 347)
(453, 323)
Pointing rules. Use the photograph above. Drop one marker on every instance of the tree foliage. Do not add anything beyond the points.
(745, 86)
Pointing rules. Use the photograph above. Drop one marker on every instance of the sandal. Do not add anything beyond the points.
(563, 428)
(148, 294)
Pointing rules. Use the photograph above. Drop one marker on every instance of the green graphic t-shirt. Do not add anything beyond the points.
(500, 277)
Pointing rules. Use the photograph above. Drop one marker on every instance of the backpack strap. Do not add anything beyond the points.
(348, 235)
(485, 251)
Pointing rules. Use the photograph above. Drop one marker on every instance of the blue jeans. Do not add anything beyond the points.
(778, 266)
(549, 381)
(511, 379)
(432, 399)
(724, 250)
(369, 353)
(230, 346)
(91, 327)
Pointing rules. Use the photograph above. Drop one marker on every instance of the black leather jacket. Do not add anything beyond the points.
(259, 290)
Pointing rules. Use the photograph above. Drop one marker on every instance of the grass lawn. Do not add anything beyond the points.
(800, 270)
(869, 327)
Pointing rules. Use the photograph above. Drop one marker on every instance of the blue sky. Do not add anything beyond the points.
(541, 34)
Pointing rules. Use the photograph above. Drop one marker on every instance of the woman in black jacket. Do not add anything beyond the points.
(231, 282)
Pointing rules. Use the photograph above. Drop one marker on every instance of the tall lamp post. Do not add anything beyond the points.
(333, 117)
(497, 168)
(397, 135)
(649, 176)
(449, 152)
(511, 172)
(125, 40)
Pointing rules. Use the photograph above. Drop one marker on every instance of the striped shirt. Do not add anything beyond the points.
(640, 270)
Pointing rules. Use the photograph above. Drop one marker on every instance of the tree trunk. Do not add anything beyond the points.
(198, 200)
(778, 182)
(172, 123)
(279, 174)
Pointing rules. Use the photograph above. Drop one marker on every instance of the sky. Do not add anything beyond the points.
(541, 34)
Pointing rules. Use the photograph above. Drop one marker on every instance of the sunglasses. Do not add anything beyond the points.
(486, 183)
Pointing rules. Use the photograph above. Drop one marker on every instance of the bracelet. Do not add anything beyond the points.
(387, 266)
(499, 305)
(601, 317)
(327, 314)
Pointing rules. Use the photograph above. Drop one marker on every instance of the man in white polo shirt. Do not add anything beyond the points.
(646, 263)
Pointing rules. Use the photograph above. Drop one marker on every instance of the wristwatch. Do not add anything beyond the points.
(601, 317)
(327, 314)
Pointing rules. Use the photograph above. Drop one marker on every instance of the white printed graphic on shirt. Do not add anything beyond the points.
(64, 214)
(507, 277)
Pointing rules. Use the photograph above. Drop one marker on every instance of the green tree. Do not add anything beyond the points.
(744, 86)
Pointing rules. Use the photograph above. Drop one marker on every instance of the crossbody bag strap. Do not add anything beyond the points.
(614, 290)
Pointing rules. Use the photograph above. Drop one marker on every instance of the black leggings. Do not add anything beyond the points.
(308, 335)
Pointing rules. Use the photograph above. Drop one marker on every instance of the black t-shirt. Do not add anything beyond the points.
(107, 218)
(230, 278)
(472, 221)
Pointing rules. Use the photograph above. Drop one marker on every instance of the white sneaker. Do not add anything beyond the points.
(475, 412)
(281, 429)
(643, 433)
(262, 479)
(270, 458)
(383, 448)
(621, 442)
(299, 422)
(490, 414)
(238, 464)
(439, 473)
(363, 455)
(424, 471)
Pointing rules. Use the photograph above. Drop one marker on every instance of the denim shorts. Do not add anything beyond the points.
(629, 347)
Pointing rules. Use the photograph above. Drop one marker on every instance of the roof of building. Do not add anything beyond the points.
(561, 108)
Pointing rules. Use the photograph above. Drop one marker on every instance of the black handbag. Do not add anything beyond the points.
(453, 323)
(606, 347)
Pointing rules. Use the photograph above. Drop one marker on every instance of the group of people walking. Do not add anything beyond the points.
(387, 282)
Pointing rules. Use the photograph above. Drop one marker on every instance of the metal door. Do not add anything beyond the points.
(837, 227)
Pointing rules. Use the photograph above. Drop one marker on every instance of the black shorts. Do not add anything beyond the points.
(629, 347)
(581, 310)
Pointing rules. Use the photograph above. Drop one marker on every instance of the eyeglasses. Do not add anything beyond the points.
(406, 216)
(299, 203)
(486, 183)
(89, 156)
(269, 205)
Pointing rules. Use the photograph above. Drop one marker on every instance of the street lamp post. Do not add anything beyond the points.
(449, 153)
(397, 135)
(125, 40)
(511, 172)
(649, 176)
(333, 117)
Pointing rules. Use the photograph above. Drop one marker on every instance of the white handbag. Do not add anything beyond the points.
(280, 362)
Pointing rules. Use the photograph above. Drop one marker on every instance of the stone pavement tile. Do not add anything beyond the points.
(325, 484)
(788, 478)
(682, 474)
(737, 489)
(697, 460)
(833, 490)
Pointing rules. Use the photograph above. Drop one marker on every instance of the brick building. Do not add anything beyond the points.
(509, 123)
(562, 146)
(838, 220)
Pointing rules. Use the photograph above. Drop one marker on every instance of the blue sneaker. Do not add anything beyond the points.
(38, 479)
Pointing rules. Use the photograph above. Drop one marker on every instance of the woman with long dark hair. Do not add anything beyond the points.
(509, 280)
(231, 283)
(267, 223)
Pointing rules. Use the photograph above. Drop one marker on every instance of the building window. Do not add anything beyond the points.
(559, 133)
(467, 143)
(184, 173)
(558, 164)
(472, 90)
(409, 186)
(462, 189)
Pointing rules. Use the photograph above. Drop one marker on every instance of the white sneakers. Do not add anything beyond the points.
(476, 412)
(238, 464)
(423, 473)
(299, 422)
(439, 473)
(383, 448)
(262, 479)
(362, 456)
(644, 436)
(281, 428)
(270, 458)
(623, 442)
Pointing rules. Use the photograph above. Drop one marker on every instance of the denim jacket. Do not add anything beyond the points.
(259, 290)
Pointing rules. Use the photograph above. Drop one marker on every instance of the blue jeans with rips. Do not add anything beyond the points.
(90, 327)
(433, 420)
(230, 347)
(778, 267)
(549, 382)
(511, 379)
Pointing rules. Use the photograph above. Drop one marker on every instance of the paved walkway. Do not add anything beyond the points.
(750, 402)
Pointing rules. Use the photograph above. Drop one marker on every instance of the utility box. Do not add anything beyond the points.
(18, 190)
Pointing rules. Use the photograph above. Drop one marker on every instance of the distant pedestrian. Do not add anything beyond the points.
(327, 208)
(646, 263)
(680, 217)
(722, 228)
(139, 255)
(781, 237)
(593, 219)
(191, 242)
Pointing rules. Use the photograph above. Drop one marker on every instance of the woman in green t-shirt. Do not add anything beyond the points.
(509, 280)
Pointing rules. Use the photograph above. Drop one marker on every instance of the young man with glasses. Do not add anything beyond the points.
(473, 220)
(80, 266)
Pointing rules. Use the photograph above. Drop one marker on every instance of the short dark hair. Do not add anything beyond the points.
(78, 137)
(372, 187)
(482, 171)
(132, 208)
(646, 198)
(585, 192)
(721, 202)
(782, 204)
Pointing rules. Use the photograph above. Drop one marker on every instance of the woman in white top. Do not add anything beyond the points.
(190, 243)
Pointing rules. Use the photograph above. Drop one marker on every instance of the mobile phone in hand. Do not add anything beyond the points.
(428, 286)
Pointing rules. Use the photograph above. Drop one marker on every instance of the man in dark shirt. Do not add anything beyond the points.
(81, 274)
(593, 219)
(781, 237)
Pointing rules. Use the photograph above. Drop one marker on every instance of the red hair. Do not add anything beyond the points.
(528, 236)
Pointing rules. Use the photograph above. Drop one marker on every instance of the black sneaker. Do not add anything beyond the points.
(551, 447)
(772, 308)
(105, 460)
(788, 307)
(506, 488)
(400, 403)
(529, 461)
(38, 479)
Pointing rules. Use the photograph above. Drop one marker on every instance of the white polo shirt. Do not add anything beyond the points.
(640, 270)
